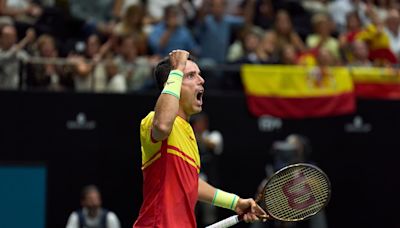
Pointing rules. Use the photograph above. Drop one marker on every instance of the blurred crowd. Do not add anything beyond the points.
(112, 45)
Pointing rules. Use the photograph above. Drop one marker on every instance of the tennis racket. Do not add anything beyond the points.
(294, 193)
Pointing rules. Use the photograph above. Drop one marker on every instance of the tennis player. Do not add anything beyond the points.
(170, 157)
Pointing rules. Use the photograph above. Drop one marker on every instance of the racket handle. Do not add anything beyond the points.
(228, 222)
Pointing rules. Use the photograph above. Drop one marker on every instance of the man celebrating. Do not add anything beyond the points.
(170, 157)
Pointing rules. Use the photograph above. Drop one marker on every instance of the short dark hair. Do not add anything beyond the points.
(162, 70)
(87, 189)
(171, 9)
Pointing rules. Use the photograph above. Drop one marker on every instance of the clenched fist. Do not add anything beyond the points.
(178, 59)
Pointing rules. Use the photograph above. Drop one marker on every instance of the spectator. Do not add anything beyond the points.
(392, 30)
(353, 28)
(360, 54)
(249, 38)
(320, 76)
(325, 58)
(285, 32)
(47, 75)
(322, 37)
(288, 55)
(116, 82)
(265, 53)
(378, 41)
(214, 30)
(92, 46)
(89, 72)
(136, 69)
(132, 24)
(92, 215)
(171, 34)
(11, 53)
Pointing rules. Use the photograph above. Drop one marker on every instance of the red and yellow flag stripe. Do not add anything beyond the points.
(298, 91)
(379, 83)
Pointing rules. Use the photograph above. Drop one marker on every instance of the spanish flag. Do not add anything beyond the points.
(376, 83)
(298, 91)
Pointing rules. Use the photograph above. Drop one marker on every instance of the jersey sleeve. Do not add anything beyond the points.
(150, 147)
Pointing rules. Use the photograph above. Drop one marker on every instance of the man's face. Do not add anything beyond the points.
(92, 200)
(8, 37)
(218, 8)
(93, 45)
(192, 89)
(128, 48)
(173, 18)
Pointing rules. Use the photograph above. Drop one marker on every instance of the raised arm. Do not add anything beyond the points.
(167, 105)
(246, 207)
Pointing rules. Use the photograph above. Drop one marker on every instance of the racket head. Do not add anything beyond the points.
(296, 192)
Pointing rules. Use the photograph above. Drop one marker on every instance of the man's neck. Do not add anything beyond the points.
(183, 115)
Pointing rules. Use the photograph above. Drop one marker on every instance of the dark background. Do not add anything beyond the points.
(361, 166)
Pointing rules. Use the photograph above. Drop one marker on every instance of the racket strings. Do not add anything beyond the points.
(296, 193)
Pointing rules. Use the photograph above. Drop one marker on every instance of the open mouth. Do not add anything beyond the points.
(199, 95)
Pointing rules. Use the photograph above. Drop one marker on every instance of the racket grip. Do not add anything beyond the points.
(228, 222)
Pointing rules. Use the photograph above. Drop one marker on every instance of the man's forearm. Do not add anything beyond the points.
(206, 191)
(167, 106)
(217, 197)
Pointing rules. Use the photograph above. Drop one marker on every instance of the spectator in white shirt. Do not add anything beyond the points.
(92, 215)
(11, 53)
(393, 31)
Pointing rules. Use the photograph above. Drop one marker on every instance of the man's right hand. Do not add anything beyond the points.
(178, 59)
